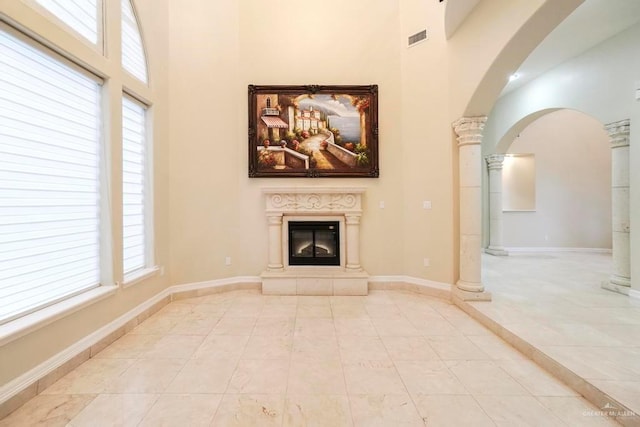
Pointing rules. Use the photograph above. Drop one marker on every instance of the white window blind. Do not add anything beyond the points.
(79, 15)
(133, 185)
(49, 178)
(133, 57)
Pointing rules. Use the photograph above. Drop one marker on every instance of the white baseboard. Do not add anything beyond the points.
(412, 280)
(558, 249)
(213, 284)
(634, 294)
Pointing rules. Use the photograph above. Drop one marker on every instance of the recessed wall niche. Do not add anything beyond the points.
(519, 182)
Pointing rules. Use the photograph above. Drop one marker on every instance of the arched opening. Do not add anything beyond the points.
(575, 85)
(553, 303)
(565, 156)
(510, 135)
(571, 84)
(473, 95)
(498, 53)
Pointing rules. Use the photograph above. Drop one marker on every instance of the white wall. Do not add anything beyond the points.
(218, 48)
(572, 184)
(428, 157)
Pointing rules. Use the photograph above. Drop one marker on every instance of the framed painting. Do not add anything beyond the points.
(313, 131)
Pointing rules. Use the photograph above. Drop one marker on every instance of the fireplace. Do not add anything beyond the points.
(314, 235)
(314, 243)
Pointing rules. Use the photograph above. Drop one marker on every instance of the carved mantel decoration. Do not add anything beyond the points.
(321, 200)
(342, 204)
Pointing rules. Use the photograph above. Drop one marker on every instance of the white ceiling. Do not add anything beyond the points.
(590, 24)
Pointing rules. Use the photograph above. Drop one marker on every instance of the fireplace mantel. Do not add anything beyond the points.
(314, 200)
(343, 204)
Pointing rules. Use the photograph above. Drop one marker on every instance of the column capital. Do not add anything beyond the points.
(352, 219)
(469, 129)
(618, 133)
(274, 219)
(494, 161)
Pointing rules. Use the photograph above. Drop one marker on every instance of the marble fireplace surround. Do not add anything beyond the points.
(342, 204)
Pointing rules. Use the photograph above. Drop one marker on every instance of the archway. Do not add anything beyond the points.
(557, 189)
(519, 29)
(576, 86)
(510, 135)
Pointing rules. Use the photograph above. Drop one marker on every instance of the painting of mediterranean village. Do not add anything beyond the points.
(313, 131)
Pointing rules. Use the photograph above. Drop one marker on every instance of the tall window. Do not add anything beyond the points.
(134, 155)
(133, 57)
(49, 178)
(79, 15)
(137, 228)
(55, 212)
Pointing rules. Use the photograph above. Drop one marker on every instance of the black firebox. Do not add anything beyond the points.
(314, 243)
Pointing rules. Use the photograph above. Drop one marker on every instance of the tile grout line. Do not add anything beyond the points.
(224, 393)
(344, 378)
(395, 367)
(286, 389)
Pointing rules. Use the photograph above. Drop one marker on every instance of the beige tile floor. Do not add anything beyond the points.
(554, 301)
(244, 359)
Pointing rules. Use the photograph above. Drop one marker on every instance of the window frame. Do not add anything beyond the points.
(136, 21)
(104, 218)
(99, 45)
(149, 268)
(34, 24)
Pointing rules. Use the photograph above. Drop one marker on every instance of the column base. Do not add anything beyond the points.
(470, 295)
(470, 286)
(617, 284)
(496, 251)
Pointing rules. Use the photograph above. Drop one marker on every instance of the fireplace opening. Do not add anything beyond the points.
(314, 243)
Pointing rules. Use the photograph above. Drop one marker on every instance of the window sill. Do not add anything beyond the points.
(139, 275)
(24, 325)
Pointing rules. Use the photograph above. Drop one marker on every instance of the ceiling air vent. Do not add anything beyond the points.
(417, 37)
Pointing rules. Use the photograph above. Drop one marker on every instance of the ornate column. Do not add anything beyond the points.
(469, 131)
(353, 242)
(494, 163)
(275, 242)
(620, 280)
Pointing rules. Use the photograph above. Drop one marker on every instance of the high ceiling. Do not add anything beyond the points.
(590, 24)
